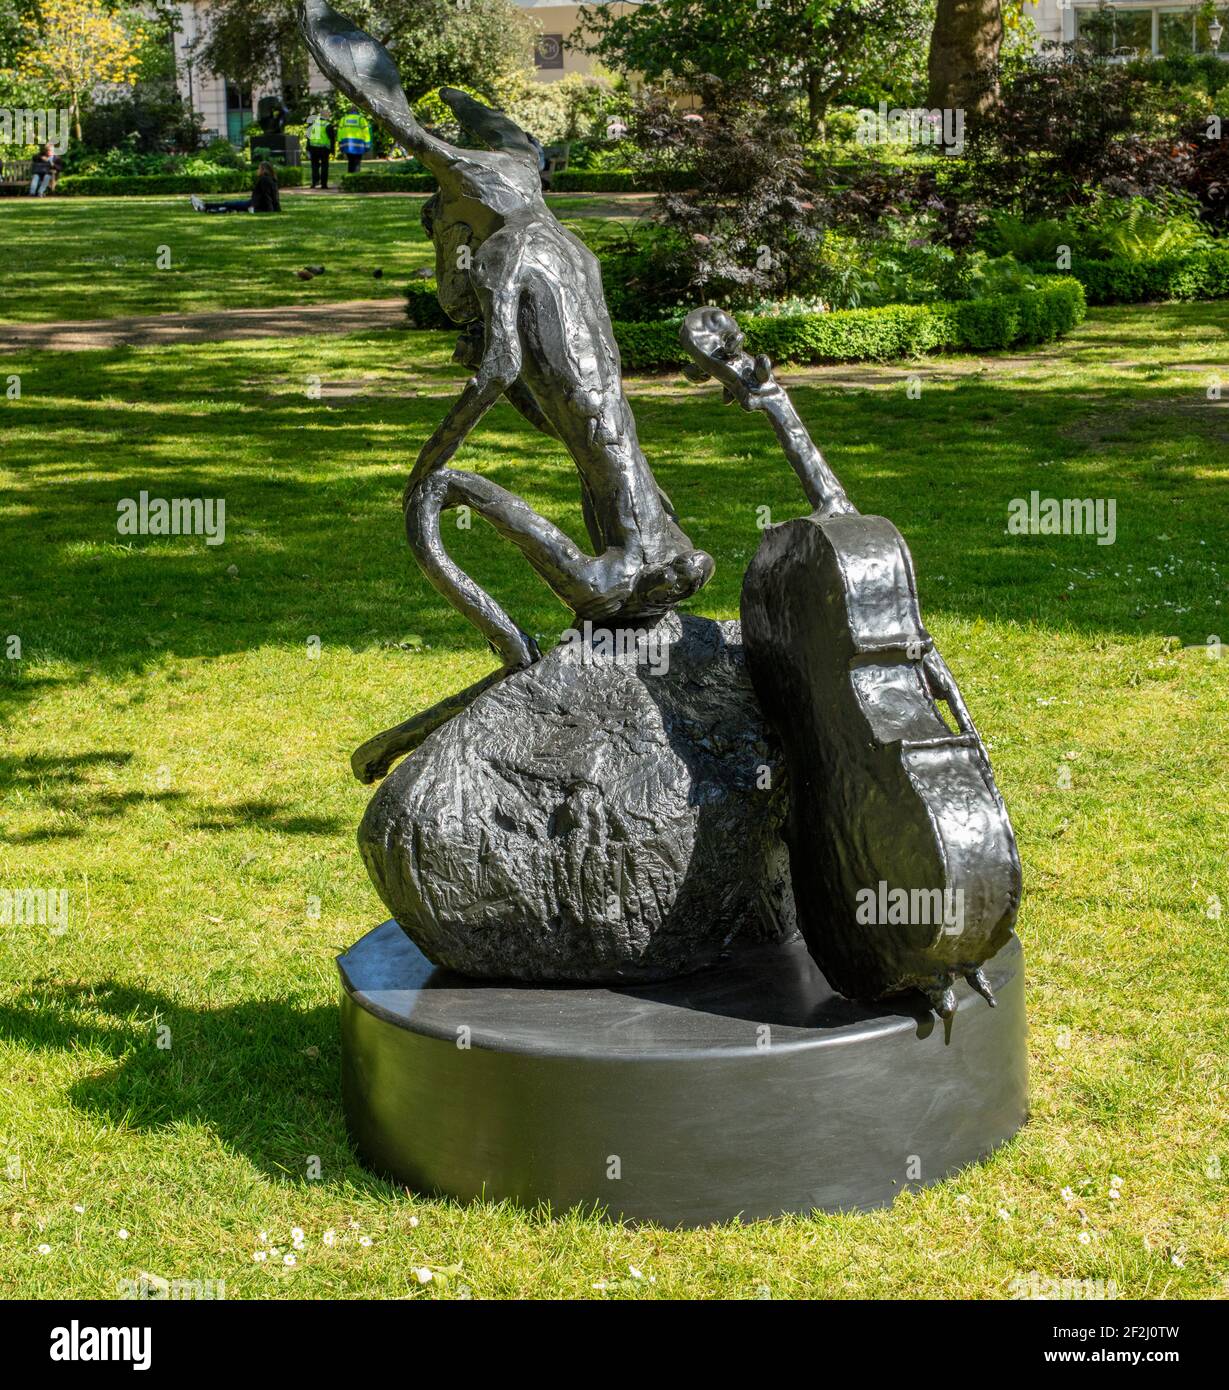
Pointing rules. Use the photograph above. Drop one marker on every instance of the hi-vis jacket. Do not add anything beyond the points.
(354, 133)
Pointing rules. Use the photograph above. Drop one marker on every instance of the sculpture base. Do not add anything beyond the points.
(748, 1089)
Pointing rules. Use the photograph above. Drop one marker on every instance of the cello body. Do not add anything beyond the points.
(904, 865)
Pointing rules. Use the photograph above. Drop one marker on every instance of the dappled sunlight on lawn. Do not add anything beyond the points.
(179, 722)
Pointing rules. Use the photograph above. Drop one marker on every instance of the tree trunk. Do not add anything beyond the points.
(815, 100)
(964, 45)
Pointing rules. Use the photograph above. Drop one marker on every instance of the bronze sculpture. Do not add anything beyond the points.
(882, 792)
(593, 988)
(527, 294)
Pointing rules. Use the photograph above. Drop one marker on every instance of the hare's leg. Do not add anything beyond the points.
(437, 492)
(374, 758)
(585, 583)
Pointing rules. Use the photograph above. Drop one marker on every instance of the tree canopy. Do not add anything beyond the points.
(433, 42)
(813, 51)
(75, 46)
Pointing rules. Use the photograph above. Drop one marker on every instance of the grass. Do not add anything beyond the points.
(93, 258)
(175, 759)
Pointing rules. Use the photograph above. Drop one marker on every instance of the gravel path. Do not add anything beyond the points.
(219, 325)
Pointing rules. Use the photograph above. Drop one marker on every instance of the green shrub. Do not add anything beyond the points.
(848, 335)
(149, 118)
(573, 107)
(1060, 129)
(1030, 241)
(600, 156)
(620, 181)
(222, 152)
(1138, 229)
(236, 181)
(924, 273)
(1204, 71)
(569, 181)
(1117, 229)
(1202, 274)
(423, 308)
(644, 269)
(377, 181)
(125, 160)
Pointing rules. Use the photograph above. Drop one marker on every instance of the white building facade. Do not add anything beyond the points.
(225, 108)
(1141, 28)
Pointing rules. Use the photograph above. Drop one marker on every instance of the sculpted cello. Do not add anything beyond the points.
(905, 869)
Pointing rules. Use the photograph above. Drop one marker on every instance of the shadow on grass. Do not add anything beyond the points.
(64, 787)
(312, 492)
(263, 1076)
(268, 815)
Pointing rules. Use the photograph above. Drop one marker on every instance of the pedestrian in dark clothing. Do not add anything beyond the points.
(266, 197)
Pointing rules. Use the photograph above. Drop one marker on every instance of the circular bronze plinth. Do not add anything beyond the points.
(749, 1089)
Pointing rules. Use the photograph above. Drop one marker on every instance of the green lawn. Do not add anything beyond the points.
(174, 759)
(86, 258)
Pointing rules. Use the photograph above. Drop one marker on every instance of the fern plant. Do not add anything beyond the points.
(1137, 229)
(1038, 242)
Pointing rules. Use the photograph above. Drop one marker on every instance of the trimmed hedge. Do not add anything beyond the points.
(231, 181)
(847, 335)
(378, 182)
(568, 181)
(422, 308)
(1192, 275)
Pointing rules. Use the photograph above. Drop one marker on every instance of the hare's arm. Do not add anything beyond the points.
(499, 369)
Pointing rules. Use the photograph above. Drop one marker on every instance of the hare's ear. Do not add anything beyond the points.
(492, 127)
(362, 68)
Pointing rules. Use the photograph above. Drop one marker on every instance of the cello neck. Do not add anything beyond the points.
(822, 487)
(715, 343)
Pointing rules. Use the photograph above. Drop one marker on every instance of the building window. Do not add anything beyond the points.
(1133, 30)
(238, 111)
(1177, 32)
(1203, 41)
(1123, 32)
(548, 51)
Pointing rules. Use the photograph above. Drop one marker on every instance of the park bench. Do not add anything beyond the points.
(15, 176)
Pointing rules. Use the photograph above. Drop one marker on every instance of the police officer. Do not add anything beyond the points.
(321, 143)
(354, 137)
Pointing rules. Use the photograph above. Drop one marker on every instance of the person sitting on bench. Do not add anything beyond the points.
(44, 171)
(265, 196)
